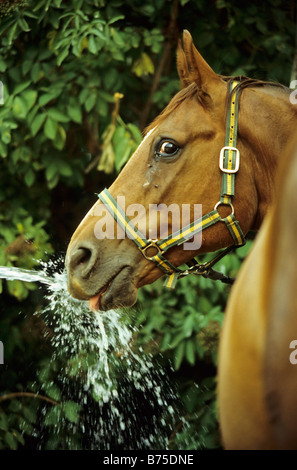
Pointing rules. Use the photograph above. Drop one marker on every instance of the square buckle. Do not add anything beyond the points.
(151, 244)
(237, 159)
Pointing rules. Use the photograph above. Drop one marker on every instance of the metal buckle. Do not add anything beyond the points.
(152, 244)
(222, 155)
(225, 204)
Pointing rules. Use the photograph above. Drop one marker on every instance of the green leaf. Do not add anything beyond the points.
(135, 132)
(71, 410)
(65, 169)
(57, 115)
(11, 33)
(92, 46)
(62, 56)
(17, 289)
(179, 355)
(53, 392)
(177, 339)
(53, 416)
(37, 123)
(6, 137)
(90, 101)
(51, 171)
(143, 66)
(118, 38)
(19, 437)
(116, 18)
(3, 421)
(3, 150)
(47, 97)
(75, 113)
(121, 159)
(19, 107)
(23, 24)
(50, 128)
(30, 97)
(35, 72)
(29, 177)
(26, 66)
(53, 182)
(21, 87)
(29, 414)
(190, 351)
(106, 96)
(10, 441)
(60, 140)
(3, 65)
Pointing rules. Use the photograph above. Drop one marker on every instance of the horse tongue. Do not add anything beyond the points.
(94, 302)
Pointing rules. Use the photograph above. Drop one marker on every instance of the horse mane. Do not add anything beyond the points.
(246, 82)
(193, 91)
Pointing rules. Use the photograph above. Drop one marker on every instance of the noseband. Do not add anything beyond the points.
(229, 161)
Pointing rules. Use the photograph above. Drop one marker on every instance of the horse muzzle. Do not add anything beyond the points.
(107, 282)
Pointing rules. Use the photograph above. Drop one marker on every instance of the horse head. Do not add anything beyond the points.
(179, 162)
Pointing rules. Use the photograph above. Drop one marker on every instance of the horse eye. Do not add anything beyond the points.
(167, 149)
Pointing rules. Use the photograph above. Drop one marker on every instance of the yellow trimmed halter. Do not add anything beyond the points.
(229, 165)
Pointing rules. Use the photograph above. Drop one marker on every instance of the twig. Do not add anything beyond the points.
(10, 396)
(164, 59)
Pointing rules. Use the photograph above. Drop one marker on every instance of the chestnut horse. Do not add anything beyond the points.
(257, 376)
(180, 161)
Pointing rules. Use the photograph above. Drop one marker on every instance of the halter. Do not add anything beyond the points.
(229, 161)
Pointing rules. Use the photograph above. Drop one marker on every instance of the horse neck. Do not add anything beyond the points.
(267, 123)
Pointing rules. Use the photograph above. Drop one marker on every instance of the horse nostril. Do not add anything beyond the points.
(81, 261)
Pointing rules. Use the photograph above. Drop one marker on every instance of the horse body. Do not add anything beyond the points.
(243, 413)
(257, 381)
(109, 271)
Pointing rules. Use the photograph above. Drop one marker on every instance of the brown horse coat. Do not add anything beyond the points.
(257, 379)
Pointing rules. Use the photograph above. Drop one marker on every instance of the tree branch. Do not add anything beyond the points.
(164, 59)
(10, 396)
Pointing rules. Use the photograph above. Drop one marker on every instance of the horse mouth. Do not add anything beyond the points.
(95, 301)
(118, 291)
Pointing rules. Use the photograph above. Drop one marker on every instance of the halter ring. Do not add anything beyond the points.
(224, 204)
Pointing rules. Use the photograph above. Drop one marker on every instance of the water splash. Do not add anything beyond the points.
(11, 273)
(132, 410)
(111, 394)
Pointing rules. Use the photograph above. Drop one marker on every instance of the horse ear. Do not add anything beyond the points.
(191, 66)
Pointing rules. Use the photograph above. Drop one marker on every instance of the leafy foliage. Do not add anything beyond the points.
(81, 80)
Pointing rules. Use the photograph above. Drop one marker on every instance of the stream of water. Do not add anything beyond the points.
(121, 397)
